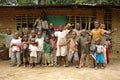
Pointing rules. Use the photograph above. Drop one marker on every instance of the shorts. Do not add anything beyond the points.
(33, 59)
(61, 51)
(73, 55)
(100, 58)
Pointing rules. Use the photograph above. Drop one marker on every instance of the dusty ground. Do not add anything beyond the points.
(112, 72)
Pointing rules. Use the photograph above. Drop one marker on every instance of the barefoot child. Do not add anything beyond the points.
(40, 42)
(84, 41)
(47, 51)
(15, 45)
(99, 54)
(73, 51)
(33, 52)
(25, 45)
(53, 44)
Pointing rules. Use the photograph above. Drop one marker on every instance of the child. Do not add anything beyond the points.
(25, 45)
(84, 41)
(15, 45)
(107, 44)
(33, 52)
(99, 54)
(73, 51)
(40, 42)
(47, 51)
(53, 44)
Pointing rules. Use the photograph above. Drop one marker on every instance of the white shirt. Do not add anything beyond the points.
(62, 34)
(40, 43)
(100, 48)
(33, 50)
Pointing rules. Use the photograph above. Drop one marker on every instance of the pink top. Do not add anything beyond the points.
(18, 45)
(53, 43)
(73, 44)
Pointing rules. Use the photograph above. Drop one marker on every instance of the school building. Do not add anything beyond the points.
(18, 17)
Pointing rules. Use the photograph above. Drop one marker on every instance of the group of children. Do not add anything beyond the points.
(38, 48)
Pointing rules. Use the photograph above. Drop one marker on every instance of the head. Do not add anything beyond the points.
(21, 34)
(39, 35)
(47, 39)
(26, 31)
(53, 36)
(8, 31)
(33, 33)
(98, 41)
(16, 35)
(77, 26)
(84, 32)
(73, 34)
(33, 40)
(96, 24)
(25, 38)
(102, 26)
(60, 28)
(51, 25)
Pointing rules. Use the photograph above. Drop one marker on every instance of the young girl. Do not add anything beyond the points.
(33, 52)
(73, 51)
(107, 44)
(53, 44)
(25, 45)
(15, 45)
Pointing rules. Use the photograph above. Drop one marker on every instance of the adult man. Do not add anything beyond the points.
(8, 37)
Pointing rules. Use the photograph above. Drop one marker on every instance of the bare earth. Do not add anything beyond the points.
(111, 72)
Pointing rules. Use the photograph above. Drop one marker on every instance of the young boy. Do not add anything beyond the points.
(33, 52)
(15, 45)
(40, 42)
(47, 51)
(25, 45)
(84, 41)
(53, 44)
(99, 54)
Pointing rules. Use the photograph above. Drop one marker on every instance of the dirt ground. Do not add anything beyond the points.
(111, 72)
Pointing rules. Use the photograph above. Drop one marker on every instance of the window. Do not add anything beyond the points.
(25, 21)
(86, 22)
(108, 19)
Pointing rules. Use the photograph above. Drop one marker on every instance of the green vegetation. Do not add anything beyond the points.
(52, 2)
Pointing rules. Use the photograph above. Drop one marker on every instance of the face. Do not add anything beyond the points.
(33, 34)
(98, 41)
(102, 26)
(15, 36)
(39, 35)
(73, 34)
(78, 27)
(51, 26)
(47, 40)
(84, 33)
(60, 28)
(96, 24)
(25, 38)
(8, 31)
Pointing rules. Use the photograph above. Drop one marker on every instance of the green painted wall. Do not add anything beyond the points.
(57, 20)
